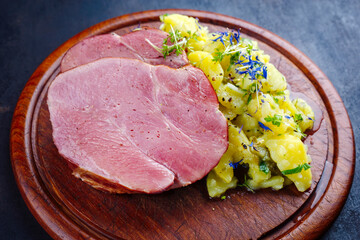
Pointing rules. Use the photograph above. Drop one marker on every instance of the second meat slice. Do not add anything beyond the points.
(135, 44)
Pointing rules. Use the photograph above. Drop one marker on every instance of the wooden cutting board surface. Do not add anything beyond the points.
(68, 208)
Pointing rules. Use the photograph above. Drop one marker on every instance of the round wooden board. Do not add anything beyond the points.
(67, 208)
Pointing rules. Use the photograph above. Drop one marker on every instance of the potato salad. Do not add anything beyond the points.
(265, 126)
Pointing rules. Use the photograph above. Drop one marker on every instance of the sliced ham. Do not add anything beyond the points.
(128, 126)
(131, 45)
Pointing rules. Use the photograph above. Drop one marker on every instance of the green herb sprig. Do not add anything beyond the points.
(275, 120)
(264, 167)
(298, 117)
(179, 43)
(175, 37)
(246, 184)
(304, 166)
(298, 129)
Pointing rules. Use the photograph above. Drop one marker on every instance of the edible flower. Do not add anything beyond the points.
(241, 128)
(235, 164)
(220, 37)
(264, 127)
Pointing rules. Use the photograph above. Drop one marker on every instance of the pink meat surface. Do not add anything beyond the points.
(131, 45)
(141, 127)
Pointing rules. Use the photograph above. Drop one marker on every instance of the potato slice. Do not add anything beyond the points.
(212, 70)
(307, 114)
(216, 186)
(182, 23)
(289, 153)
(275, 81)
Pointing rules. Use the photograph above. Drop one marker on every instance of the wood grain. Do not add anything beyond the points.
(70, 209)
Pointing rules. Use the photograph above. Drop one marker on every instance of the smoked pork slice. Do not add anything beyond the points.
(131, 45)
(128, 126)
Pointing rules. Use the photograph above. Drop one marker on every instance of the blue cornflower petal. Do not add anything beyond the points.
(241, 129)
(236, 35)
(264, 127)
(197, 23)
(240, 72)
(235, 164)
(264, 72)
(231, 38)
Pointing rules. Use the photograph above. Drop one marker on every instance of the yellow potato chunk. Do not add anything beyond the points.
(245, 153)
(216, 186)
(307, 114)
(242, 151)
(228, 113)
(285, 103)
(275, 182)
(212, 70)
(257, 176)
(213, 47)
(231, 97)
(197, 43)
(275, 81)
(188, 27)
(288, 152)
(183, 24)
(263, 108)
(250, 125)
(223, 169)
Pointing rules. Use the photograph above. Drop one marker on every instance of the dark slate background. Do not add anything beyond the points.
(326, 31)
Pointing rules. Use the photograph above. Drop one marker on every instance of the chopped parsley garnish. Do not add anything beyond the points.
(219, 56)
(280, 93)
(249, 99)
(234, 58)
(253, 87)
(298, 169)
(223, 197)
(298, 129)
(246, 184)
(276, 100)
(298, 117)
(264, 167)
(275, 120)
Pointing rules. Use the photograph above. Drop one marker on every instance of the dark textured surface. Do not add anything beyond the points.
(326, 31)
